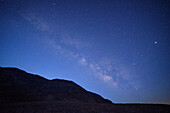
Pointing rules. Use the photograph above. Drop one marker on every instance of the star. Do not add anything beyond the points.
(155, 42)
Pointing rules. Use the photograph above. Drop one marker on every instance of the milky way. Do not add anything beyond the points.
(119, 49)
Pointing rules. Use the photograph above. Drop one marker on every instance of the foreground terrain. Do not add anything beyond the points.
(70, 107)
(22, 92)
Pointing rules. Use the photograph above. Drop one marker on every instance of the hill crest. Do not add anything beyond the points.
(17, 85)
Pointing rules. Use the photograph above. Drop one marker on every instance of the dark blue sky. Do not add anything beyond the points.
(116, 48)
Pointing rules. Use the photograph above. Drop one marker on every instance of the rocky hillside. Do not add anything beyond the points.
(19, 86)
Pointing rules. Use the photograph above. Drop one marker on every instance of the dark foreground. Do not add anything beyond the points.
(28, 93)
(69, 107)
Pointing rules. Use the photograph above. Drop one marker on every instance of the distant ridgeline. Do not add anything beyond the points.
(19, 86)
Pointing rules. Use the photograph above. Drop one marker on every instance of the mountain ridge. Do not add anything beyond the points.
(25, 87)
(22, 92)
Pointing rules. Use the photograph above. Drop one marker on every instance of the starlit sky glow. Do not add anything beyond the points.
(116, 48)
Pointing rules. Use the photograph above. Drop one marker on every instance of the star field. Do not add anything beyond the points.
(119, 49)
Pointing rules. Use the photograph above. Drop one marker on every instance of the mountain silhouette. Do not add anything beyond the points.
(22, 92)
(19, 86)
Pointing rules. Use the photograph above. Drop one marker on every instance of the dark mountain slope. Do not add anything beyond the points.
(19, 86)
(21, 92)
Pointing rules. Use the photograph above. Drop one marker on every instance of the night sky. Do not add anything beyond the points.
(119, 49)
